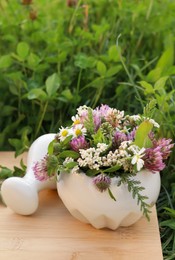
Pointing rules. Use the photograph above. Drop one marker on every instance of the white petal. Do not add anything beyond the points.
(140, 164)
(134, 160)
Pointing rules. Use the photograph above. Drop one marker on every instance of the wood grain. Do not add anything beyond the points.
(52, 233)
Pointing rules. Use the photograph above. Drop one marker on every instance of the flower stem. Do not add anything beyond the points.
(41, 119)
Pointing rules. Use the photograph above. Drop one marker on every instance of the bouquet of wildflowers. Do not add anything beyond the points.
(104, 143)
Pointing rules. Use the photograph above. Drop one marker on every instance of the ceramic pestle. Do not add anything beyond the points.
(21, 194)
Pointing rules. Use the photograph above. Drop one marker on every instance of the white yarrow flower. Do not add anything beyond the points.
(135, 117)
(101, 147)
(155, 124)
(82, 110)
(75, 169)
(67, 160)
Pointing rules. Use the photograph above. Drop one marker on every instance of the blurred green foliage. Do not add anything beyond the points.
(57, 55)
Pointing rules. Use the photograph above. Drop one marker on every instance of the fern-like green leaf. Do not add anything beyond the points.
(150, 109)
(89, 122)
(135, 188)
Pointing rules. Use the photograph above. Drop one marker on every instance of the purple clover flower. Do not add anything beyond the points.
(40, 169)
(153, 159)
(102, 182)
(79, 143)
(97, 120)
(131, 135)
(99, 114)
(104, 110)
(119, 137)
(164, 145)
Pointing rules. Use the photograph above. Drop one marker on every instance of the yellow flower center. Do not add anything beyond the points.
(78, 132)
(64, 132)
(77, 121)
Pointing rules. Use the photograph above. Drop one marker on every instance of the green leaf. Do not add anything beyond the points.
(154, 75)
(19, 172)
(67, 94)
(167, 59)
(111, 195)
(8, 129)
(52, 84)
(66, 141)
(160, 84)
(17, 143)
(37, 93)
(15, 75)
(5, 61)
(51, 147)
(21, 144)
(169, 71)
(113, 70)
(52, 164)
(23, 50)
(141, 136)
(135, 187)
(68, 153)
(168, 223)
(23, 166)
(57, 148)
(62, 56)
(5, 173)
(148, 88)
(17, 57)
(113, 53)
(170, 212)
(33, 60)
(112, 169)
(71, 165)
(83, 61)
(8, 110)
(101, 68)
(150, 108)
(93, 172)
(99, 137)
(89, 122)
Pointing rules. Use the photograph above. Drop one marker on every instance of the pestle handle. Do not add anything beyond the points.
(21, 194)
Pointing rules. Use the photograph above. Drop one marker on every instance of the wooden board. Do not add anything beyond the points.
(53, 234)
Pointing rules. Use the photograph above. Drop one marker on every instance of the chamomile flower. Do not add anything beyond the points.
(76, 120)
(64, 132)
(79, 130)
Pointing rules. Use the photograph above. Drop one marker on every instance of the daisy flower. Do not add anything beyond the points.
(79, 130)
(63, 133)
(76, 120)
